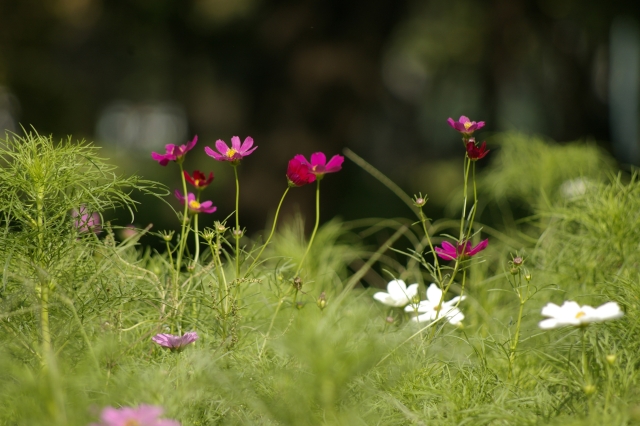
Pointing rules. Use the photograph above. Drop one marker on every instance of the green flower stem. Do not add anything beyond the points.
(467, 164)
(516, 337)
(44, 283)
(585, 365)
(423, 220)
(273, 229)
(237, 230)
(315, 228)
(197, 234)
(183, 240)
(475, 200)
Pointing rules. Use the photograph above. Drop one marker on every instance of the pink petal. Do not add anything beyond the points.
(451, 122)
(215, 155)
(481, 246)
(301, 159)
(179, 196)
(248, 143)
(191, 197)
(235, 143)
(334, 164)
(318, 159)
(479, 125)
(191, 144)
(463, 119)
(222, 147)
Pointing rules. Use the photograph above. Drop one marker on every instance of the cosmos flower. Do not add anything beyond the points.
(85, 222)
(398, 294)
(451, 252)
(174, 152)
(199, 179)
(432, 308)
(175, 343)
(234, 154)
(475, 152)
(570, 313)
(298, 173)
(318, 164)
(465, 126)
(143, 415)
(195, 206)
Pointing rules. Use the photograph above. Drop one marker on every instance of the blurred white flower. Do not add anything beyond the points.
(398, 294)
(432, 308)
(570, 313)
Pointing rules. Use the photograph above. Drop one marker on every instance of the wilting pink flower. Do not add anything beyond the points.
(143, 415)
(174, 152)
(234, 154)
(465, 126)
(199, 179)
(85, 222)
(175, 343)
(475, 152)
(298, 173)
(195, 206)
(464, 249)
(318, 164)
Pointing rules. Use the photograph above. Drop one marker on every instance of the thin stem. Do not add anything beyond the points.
(182, 244)
(315, 228)
(195, 231)
(237, 230)
(423, 220)
(585, 366)
(475, 200)
(44, 283)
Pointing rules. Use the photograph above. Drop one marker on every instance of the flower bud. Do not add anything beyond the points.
(611, 359)
(589, 389)
(419, 200)
(237, 233)
(220, 228)
(297, 283)
(208, 234)
(514, 271)
(517, 261)
(299, 305)
(527, 277)
(322, 301)
(389, 319)
(167, 235)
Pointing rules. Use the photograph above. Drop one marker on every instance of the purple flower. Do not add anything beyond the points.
(298, 173)
(465, 126)
(195, 206)
(451, 252)
(175, 343)
(143, 415)
(174, 152)
(85, 222)
(318, 164)
(475, 152)
(234, 154)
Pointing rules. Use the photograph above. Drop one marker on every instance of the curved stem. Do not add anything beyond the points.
(237, 230)
(315, 228)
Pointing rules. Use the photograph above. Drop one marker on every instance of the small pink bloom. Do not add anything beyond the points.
(465, 126)
(451, 252)
(174, 152)
(298, 173)
(143, 415)
(234, 154)
(199, 179)
(175, 343)
(85, 222)
(318, 164)
(475, 152)
(195, 206)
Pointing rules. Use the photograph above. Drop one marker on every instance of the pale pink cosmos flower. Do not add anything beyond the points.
(465, 126)
(174, 152)
(143, 415)
(234, 154)
(195, 206)
(451, 252)
(319, 165)
(175, 343)
(85, 222)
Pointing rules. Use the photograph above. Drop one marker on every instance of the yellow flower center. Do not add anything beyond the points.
(194, 205)
(196, 182)
(231, 152)
(437, 308)
(580, 315)
(467, 125)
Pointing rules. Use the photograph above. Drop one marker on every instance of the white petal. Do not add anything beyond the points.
(423, 306)
(455, 316)
(397, 289)
(412, 291)
(609, 310)
(551, 310)
(422, 318)
(384, 298)
(548, 324)
(434, 294)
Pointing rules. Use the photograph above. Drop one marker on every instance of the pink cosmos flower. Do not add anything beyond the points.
(174, 152)
(143, 415)
(199, 179)
(465, 126)
(298, 173)
(475, 152)
(196, 207)
(451, 252)
(319, 166)
(234, 154)
(85, 222)
(175, 343)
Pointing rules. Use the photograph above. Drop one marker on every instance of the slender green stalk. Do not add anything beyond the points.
(585, 365)
(423, 221)
(237, 233)
(182, 244)
(197, 234)
(44, 283)
(315, 229)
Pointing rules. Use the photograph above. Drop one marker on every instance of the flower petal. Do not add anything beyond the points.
(222, 147)
(248, 143)
(211, 153)
(434, 294)
(235, 143)
(318, 159)
(335, 164)
(397, 289)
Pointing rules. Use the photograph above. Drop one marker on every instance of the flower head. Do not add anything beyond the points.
(431, 309)
(195, 206)
(398, 294)
(199, 179)
(143, 415)
(175, 343)
(465, 126)
(318, 164)
(464, 249)
(85, 221)
(234, 154)
(475, 152)
(298, 173)
(174, 152)
(570, 313)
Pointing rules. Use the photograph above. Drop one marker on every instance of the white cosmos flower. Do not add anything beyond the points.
(570, 313)
(431, 308)
(398, 294)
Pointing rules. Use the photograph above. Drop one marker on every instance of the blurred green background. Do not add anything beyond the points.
(379, 77)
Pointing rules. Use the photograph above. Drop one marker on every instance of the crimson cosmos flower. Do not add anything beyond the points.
(318, 164)
(199, 179)
(196, 207)
(143, 415)
(174, 152)
(465, 126)
(451, 252)
(298, 173)
(175, 343)
(234, 154)
(475, 152)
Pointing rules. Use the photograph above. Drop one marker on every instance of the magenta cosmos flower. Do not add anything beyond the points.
(234, 154)
(465, 126)
(175, 343)
(451, 252)
(199, 179)
(475, 152)
(195, 206)
(143, 415)
(298, 173)
(318, 164)
(174, 152)
(85, 222)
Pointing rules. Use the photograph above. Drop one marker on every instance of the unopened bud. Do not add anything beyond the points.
(527, 277)
(220, 228)
(322, 301)
(208, 234)
(299, 305)
(237, 233)
(518, 261)
(419, 200)
(389, 319)
(297, 283)
(589, 389)
(611, 359)
(167, 235)
(514, 271)
(191, 268)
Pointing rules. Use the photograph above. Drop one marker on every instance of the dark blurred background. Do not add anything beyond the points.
(379, 77)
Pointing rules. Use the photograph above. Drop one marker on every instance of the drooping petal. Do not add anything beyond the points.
(335, 164)
(211, 153)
